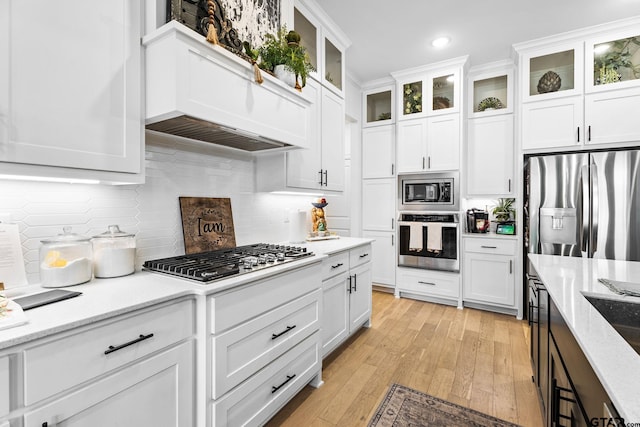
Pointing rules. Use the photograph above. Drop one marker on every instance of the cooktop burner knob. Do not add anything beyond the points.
(262, 259)
(304, 249)
(271, 258)
(280, 256)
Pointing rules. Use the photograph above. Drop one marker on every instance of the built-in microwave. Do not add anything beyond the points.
(430, 191)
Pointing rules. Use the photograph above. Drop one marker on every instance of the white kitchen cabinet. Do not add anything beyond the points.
(378, 152)
(430, 144)
(383, 263)
(553, 124)
(489, 273)
(158, 390)
(378, 106)
(437, 286)
(346, 295)
(319, 167)
(612, 117)
(490, 160)
(378, 206)
(491, 89)
(5, 386)
(71, 101)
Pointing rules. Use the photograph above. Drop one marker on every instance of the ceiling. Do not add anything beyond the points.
(394, 35)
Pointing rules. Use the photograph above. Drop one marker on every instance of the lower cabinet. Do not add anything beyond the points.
(383, 268)
(437, 286)
(155, 391)
(489, 273)
(5, 386)
(346, 295)
(563, 405)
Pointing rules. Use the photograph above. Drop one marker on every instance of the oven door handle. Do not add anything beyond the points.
(444, 224)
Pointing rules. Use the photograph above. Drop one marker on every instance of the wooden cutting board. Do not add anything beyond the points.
(207, 224)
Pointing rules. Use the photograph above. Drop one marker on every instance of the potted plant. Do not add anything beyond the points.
(283, 51)
(504, 209)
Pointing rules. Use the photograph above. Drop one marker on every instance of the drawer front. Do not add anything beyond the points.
(256, 400)
(429, 284)
(247, 348)
(490, 246)
(58, 364)
(359, 255)
(231, 308)
(335, 264)
(4, 386)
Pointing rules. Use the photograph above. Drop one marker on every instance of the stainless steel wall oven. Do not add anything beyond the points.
(429, 241)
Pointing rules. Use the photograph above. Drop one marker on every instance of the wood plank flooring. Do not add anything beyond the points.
(474, 358)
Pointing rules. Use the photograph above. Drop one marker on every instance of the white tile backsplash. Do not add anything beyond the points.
(151, 211)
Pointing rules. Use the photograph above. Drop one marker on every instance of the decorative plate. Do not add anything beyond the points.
(490, 103)
(440, 102)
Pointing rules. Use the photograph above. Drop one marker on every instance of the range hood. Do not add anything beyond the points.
(203, 92)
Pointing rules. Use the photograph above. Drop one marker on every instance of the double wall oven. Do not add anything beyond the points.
(428, 223)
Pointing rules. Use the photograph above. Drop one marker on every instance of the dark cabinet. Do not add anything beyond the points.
(564, 410)
(539, 337)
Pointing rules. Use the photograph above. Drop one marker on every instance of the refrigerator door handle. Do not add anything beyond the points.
(584, 189)
(593, 242)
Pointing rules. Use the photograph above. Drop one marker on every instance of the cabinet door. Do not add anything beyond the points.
(332, 135)
(73, 97)
(612, 116)
(489, 279)
(383, 263)
(553, 124)
(359, 296)
(335, 312)
(443, 142)
(378, 152)
(490, 156)
(411, 150)
(303, 166)
(158, 391)
(378, 207)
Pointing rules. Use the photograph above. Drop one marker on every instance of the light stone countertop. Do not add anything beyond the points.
(614, 361)
(105, 298)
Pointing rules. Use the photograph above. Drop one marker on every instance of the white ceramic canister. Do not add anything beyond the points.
(114, 253)
(65, 260)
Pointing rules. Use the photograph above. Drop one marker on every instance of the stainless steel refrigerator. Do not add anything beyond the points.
(584, 205)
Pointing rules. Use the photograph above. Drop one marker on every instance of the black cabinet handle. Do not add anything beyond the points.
(320, 177)
(364, 255)
(426, 283)
(355, 283)
(578, 133)
(488, 247)
(509, 184)
(326, 177)
(423, 163)
(289, 328)
(392, 168)
(112, 348)
(589, 133)
(276, 388)
(337, 265)
(350, 277)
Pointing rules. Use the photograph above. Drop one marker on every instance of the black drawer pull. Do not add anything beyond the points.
(337, 265)
(127, 344)
(364, 255)
(276, 388)
(426, 283)
(289, 328)
(488, 247)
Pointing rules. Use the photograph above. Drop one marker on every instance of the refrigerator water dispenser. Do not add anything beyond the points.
(558, 226)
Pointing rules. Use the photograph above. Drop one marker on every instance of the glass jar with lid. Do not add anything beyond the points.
(65, 260)
(114, 253)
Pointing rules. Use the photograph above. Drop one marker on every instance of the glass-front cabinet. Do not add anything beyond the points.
(378, 106)
(428, 93)
(552, 72)
(308, 35)
(613, 62)
(491, 91)
(333, 70)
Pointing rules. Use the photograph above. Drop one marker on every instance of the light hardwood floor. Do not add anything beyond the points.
(474, 358)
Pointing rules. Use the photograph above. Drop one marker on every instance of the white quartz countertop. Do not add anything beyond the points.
(614, 361)
(105, 298)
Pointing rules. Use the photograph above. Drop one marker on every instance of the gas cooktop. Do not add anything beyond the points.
(209, 266)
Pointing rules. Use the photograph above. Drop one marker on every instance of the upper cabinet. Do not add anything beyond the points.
(583, 92)
(70, 102)
(491, 90)
(378, 106)
(428, 91)
(325, 44)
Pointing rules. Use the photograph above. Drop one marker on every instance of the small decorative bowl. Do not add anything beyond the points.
(319, 205)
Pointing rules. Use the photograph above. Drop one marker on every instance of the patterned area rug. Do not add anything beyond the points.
(405, 407)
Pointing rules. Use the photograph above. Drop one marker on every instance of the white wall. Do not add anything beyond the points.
(150, 210)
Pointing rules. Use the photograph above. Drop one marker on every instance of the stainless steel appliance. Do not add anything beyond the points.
(209, 266)
(584, 205)
(431, 192)
(429, 241)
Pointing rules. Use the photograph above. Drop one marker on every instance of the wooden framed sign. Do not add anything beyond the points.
(207, 224)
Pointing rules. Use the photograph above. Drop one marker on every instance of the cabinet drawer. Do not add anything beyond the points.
(245, 349)
(490, 246)
(230, 308)
(59, 364)
(429, 283)
(257, 399)
(335, 264)
(4, 385)
(359, 255)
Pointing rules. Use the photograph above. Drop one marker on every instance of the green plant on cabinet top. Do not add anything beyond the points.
(284, 49)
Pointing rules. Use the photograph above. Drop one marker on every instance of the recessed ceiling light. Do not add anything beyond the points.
(440, 42)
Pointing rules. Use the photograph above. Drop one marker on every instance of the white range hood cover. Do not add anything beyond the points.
(204, 92)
